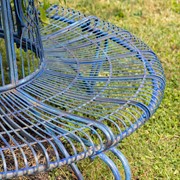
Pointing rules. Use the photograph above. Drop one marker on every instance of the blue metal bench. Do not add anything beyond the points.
(70, 89)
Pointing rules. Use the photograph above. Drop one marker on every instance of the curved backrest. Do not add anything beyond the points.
(21, 53)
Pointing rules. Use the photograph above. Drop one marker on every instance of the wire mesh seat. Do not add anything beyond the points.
(77, 86)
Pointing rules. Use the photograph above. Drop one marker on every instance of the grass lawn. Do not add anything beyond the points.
(153, 151)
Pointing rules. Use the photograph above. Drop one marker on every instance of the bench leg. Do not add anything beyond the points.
(124, 162)
(112, 165)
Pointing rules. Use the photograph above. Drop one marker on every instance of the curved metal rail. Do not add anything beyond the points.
(21, 57)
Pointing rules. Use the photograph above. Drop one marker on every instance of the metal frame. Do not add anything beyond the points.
(95, 85)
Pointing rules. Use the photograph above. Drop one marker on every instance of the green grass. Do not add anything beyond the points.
(153, 151)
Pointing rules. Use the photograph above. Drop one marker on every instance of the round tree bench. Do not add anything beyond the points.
(70, 89)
